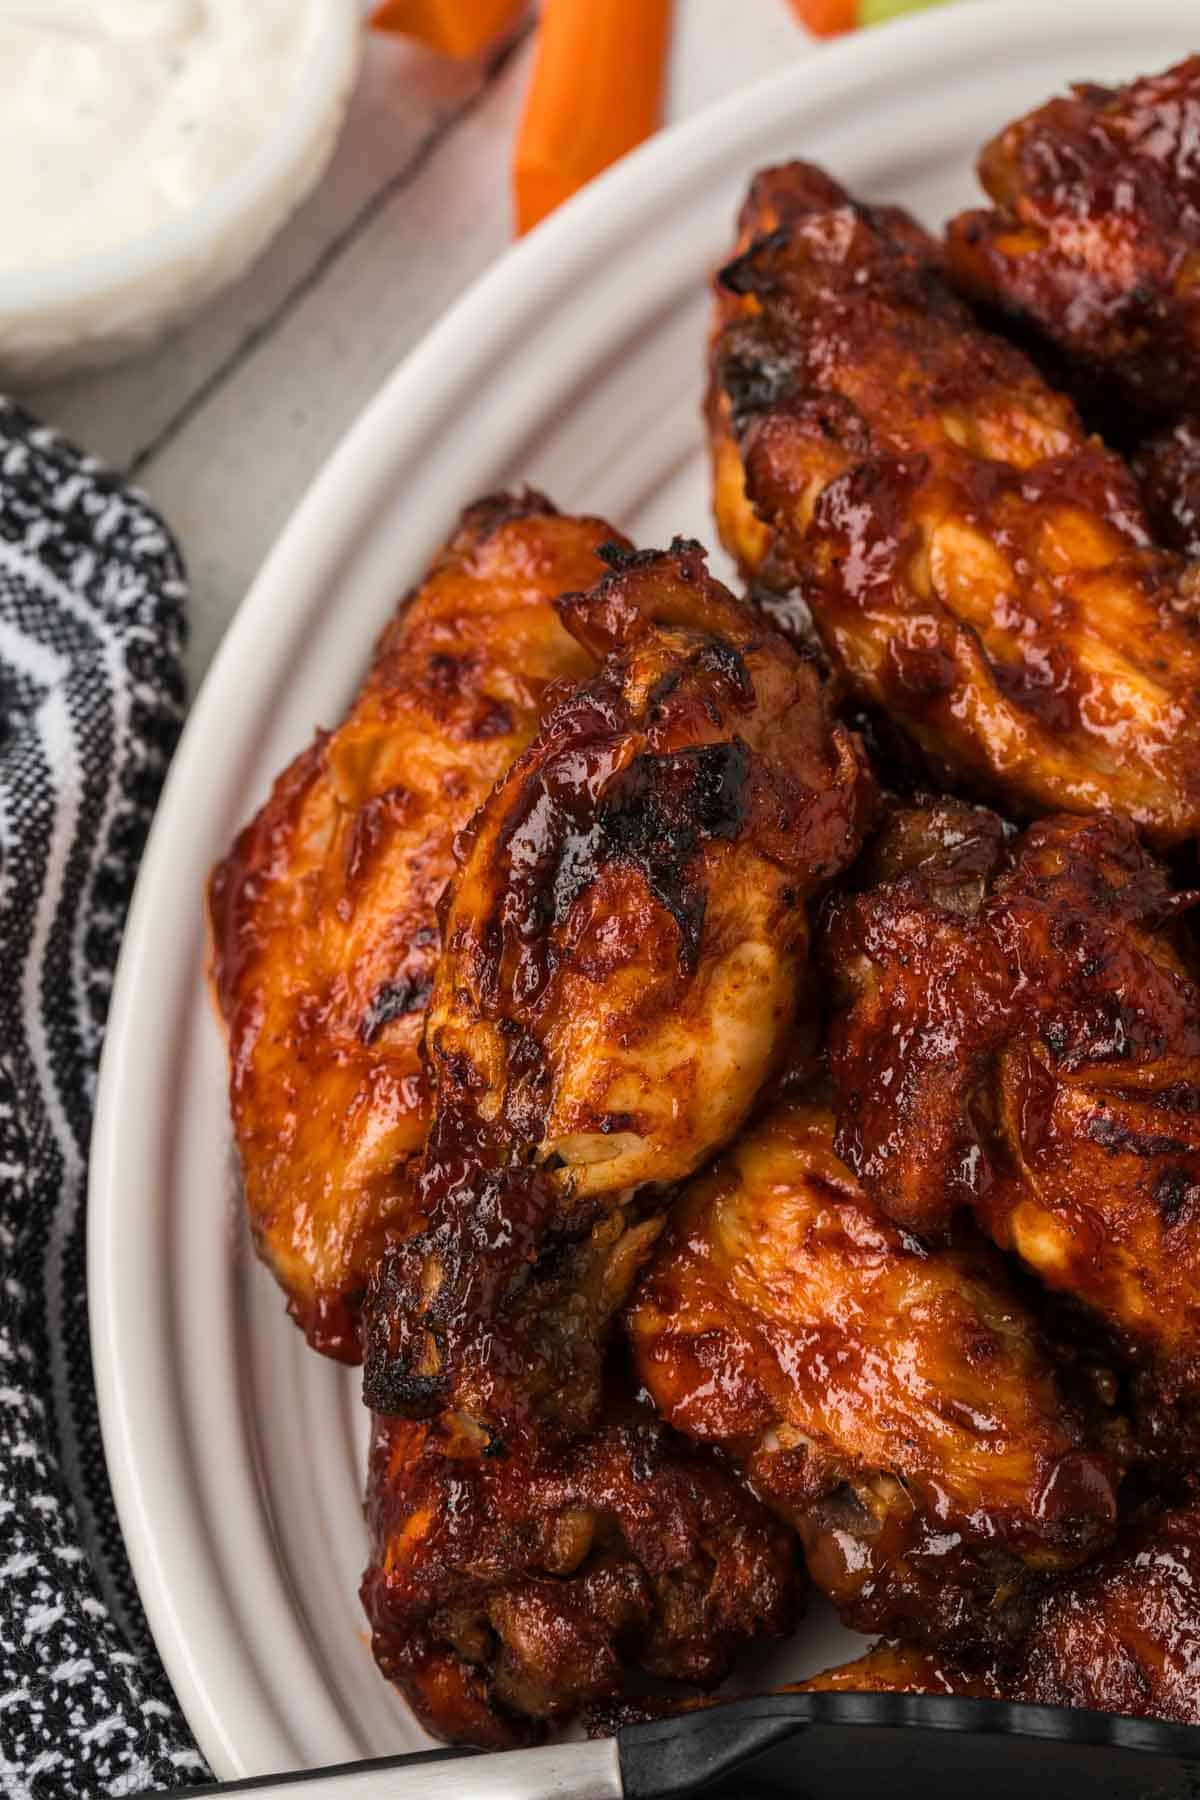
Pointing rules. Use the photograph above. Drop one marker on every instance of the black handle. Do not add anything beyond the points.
(827, 1746)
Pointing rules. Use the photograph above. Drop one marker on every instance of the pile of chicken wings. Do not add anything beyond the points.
(729, 1068)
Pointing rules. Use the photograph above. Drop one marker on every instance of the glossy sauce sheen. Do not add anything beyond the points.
(891, 1402)
(977, 568)
(1094, 246)
(324, 915)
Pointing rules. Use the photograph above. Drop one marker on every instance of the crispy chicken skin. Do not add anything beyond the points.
(506, 1592)
(1017, 1031)
(977, 567)
(894, 1404)
(625, 944)
(1093, 246)
(324, 934)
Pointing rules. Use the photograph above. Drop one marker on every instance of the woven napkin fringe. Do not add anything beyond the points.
(91, 697)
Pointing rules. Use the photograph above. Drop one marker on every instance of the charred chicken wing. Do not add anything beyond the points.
(625, 944)
(977, 567)
(1018, 1032)
(1093, 247)
(323, 914)
(893, 1403)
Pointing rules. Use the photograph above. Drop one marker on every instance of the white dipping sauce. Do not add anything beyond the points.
(117, 115)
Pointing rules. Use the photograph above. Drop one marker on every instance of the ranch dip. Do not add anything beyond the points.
(118, 115)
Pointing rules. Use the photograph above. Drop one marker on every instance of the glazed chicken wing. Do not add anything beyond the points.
(323, 914)
(1093, 246)
(1018, 1031)
(625, 944)
(1121, 1635)
(520, 1567)
(506, 1592)
(892, 1403)
(976, 566)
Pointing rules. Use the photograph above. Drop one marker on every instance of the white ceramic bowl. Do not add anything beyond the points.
(104, 306)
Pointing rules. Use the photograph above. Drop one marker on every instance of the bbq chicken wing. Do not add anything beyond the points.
(504, 1593)
(1167, 467)
(977, 568)
(323, 921)
(625, 944)
(892, 1403)
(1017, 1031)
(1121, 1635)
(1093, 246)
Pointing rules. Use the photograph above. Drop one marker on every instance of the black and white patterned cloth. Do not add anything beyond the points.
(91, 692)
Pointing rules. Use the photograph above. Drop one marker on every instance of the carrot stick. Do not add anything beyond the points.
(455, 27)
(597, 90)
(825, 17)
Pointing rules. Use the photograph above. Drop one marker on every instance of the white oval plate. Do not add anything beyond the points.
(576, 364)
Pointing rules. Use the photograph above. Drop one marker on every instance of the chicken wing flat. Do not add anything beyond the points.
(1093, 246)
(1017, 1030)
(893, 1404)
(504, 1593)
(519, 1565)
(977, 567)
(323, 919)
(625, 944)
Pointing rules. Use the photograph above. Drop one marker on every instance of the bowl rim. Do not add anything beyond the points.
(324, 82)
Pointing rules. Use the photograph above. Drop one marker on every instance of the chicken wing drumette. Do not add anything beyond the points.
(893, 1403)
(625, 945)
(1093, 246)
(1017, 1031)
(976, 566)
(323, 913)
(505, 1592)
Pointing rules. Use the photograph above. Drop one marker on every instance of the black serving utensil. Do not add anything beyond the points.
(814, 1746)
